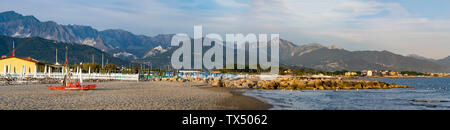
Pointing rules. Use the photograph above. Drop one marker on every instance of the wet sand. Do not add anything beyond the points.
(128, 96)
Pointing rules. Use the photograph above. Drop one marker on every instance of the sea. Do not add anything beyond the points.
(428, 94)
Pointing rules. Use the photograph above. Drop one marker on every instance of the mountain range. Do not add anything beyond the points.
(157, 50)
(335, 58)
(114, 41)
(444, 61)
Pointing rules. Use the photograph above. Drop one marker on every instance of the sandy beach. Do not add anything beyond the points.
(128, 96)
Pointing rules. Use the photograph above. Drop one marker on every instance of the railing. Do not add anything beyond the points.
(111, 76)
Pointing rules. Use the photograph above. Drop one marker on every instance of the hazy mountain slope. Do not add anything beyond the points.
(335, 58)
(415, 56)
(399, 62)
(445, 61)
(44, 50)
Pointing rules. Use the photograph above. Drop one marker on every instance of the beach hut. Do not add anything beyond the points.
(17, 65)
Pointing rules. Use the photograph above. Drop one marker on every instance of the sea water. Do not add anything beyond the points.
(428, 94)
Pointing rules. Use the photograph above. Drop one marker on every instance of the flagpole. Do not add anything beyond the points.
(66, 69)
(13, 51)
(65, 64)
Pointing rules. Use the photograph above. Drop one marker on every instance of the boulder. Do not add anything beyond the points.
(181, 80)
(216, 84)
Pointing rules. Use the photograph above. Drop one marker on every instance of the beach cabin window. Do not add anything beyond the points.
(14, 69)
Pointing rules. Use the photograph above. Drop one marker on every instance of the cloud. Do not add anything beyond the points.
(354, 24)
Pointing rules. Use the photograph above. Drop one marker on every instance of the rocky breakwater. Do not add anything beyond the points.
(291, 83)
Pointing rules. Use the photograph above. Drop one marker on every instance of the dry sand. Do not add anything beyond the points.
(128, 96)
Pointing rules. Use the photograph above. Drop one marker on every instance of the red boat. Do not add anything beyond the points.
(73, 87)
(69, 85)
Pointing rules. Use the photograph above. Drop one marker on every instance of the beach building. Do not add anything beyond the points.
(351, 74)
(17, 65)
(393, 73)
(289, 71)
(368, 73)
(384, 73)
(440, 74)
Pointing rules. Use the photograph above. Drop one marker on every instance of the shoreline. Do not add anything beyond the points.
(243, 102)
(118, 95)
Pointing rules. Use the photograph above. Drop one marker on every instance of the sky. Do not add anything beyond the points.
(401, 26)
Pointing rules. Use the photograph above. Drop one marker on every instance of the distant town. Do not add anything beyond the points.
(364, 73)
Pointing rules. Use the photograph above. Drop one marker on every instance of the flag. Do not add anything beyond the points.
(65, 63)
(14, 49)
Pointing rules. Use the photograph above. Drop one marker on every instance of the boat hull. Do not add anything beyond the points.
(84, 87)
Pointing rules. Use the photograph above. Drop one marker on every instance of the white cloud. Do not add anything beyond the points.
(354, 24)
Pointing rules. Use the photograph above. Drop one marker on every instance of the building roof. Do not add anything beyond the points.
(26, 59)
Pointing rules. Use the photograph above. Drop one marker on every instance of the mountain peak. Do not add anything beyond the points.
(287, 43)
(12, 16)
(9, 16)
(10, 13)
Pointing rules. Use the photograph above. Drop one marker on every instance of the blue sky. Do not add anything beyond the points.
(401, 26)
